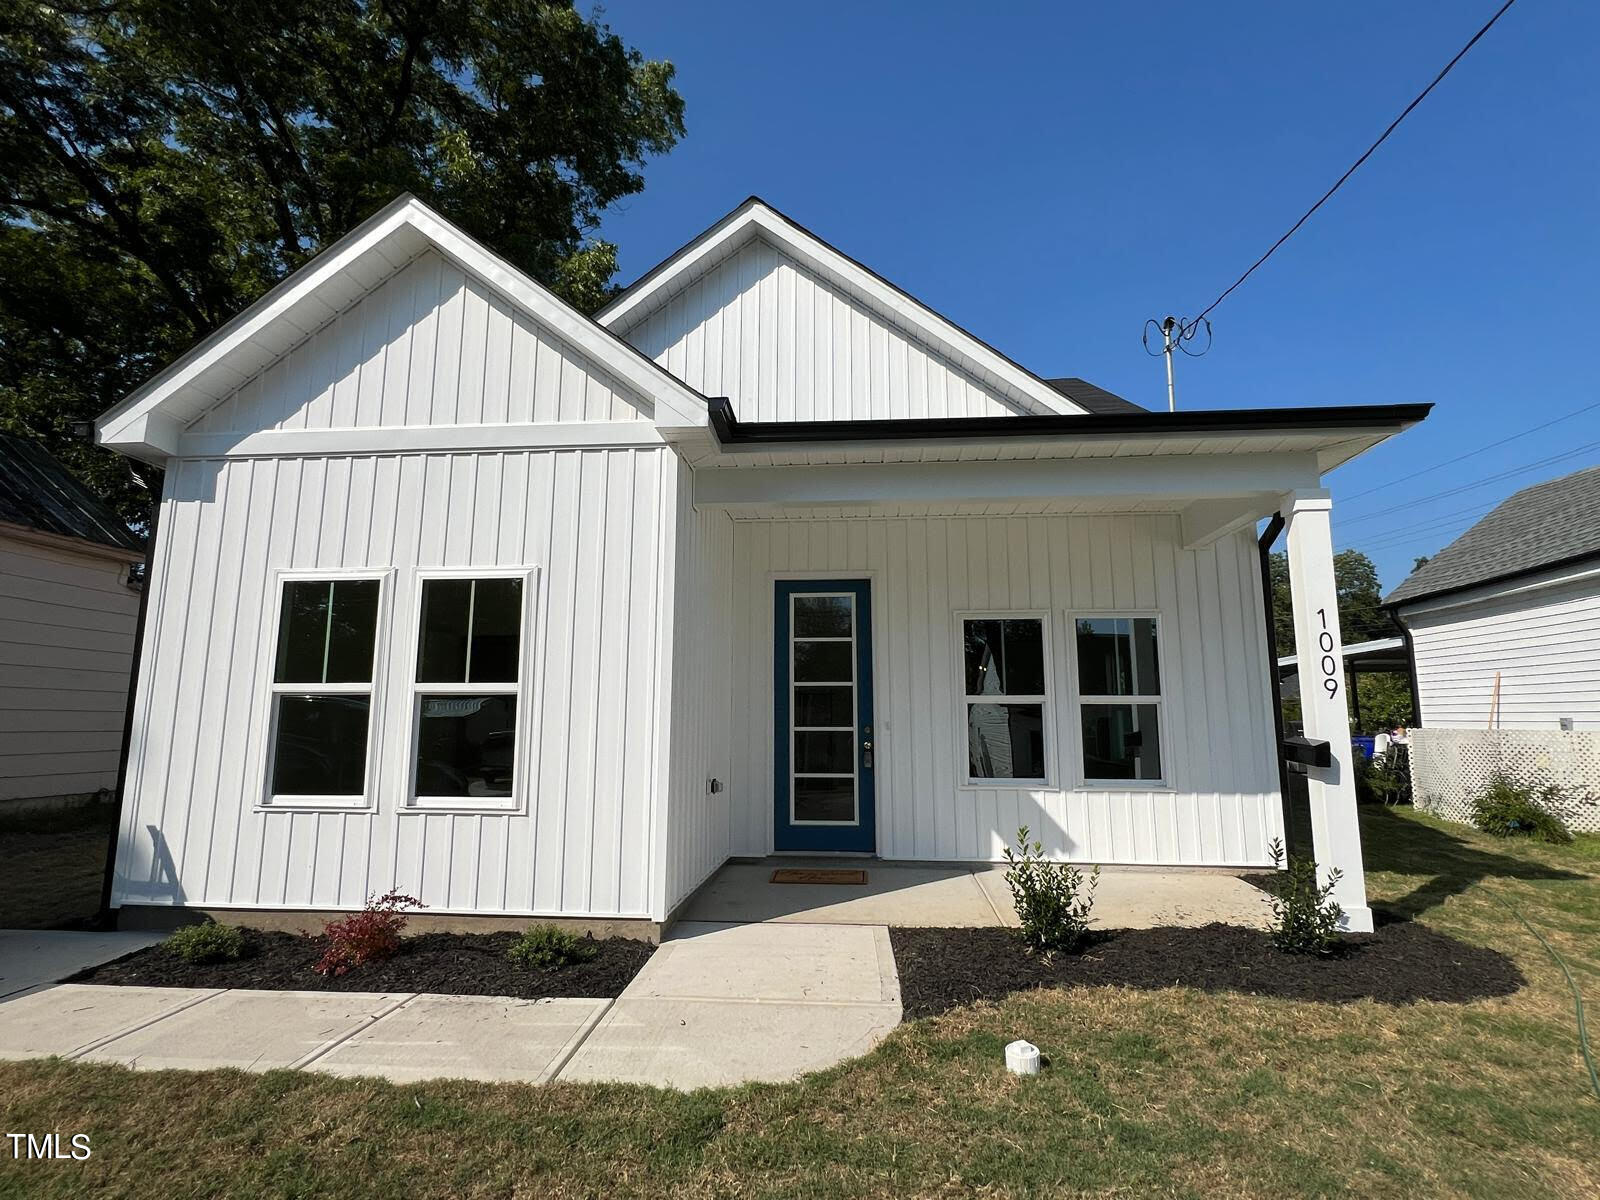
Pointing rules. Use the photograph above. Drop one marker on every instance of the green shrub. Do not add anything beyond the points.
(1506, 807)
(1051, 900)
(206, 943)
(543, 947)
(1305, 917)
(1384, 779)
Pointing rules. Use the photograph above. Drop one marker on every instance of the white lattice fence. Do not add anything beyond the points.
(1449, 765)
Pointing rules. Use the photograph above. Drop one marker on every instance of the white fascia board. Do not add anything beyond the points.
(677, 405)
(1170, 477)
(755, 218)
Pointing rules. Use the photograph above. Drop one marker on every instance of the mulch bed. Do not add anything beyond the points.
(455, 964)
(941, 969)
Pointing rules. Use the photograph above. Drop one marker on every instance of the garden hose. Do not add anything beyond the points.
(1577, 993)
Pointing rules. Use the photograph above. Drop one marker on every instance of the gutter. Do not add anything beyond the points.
(106, 918)
(1268, 536)
(731, 432)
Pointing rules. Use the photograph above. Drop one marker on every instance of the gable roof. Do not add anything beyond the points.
(755, 218)
(1093, 399)
(38, 493)
(146, 423)
(1541, 526)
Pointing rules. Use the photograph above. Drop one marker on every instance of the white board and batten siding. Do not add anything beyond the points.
(1542, 635)
(66, 648)
(1222, 805)
(784, 345)
(429, 347)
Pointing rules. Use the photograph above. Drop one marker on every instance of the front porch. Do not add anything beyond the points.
(961, 895)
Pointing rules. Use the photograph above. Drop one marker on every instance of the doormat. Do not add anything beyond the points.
(819, 875)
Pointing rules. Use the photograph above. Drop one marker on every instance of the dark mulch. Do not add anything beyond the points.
(941, 969)
(456, 964)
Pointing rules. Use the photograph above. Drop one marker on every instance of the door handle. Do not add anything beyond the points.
(866, 755)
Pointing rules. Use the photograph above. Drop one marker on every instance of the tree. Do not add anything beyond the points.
(163, 163)
(1385, 696)
(1361, 616)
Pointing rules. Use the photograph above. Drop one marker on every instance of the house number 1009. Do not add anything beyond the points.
(1330, 665)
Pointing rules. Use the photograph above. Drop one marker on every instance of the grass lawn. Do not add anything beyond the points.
(1148, 1093)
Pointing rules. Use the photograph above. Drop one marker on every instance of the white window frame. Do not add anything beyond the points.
(1046, 701)
(375, 690)
(522, 758)
(1080, 770)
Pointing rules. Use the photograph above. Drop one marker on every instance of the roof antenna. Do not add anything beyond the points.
(1176, 333)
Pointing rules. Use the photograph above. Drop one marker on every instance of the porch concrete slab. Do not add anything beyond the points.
(941, 896)
(711, 1043)
(71, 1018)
(248, 1029)
(31, 957)
(488, 1038)
(1141, 898)
(852, 964)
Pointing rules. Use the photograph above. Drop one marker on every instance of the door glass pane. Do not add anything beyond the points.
(822, 616)
(442, 656)
(1117, 656)
(823, 662)
(465, 745)
(824, 800)
(832, 753)
(1121, 741)
(824, 706)
(320, 745)
(1005, 741)
(496, 630)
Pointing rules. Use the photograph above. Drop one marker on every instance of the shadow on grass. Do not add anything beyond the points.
(1390, 842)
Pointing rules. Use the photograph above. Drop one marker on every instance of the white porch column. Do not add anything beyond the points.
(1320, 650)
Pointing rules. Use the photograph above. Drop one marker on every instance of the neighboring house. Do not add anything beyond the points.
(460, 591)
(67, 617)
(1504, 627)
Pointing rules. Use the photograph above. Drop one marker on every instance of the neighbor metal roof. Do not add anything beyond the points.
(38, 493)
(1541, 526)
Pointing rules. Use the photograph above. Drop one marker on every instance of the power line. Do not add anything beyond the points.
(1450, 462)
(1326, 196)
(1467, 487)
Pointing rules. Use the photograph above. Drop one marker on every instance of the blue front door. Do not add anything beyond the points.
(822, 738)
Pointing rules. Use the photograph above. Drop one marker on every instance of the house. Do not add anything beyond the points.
(1504, 629)
(67, 619)
(460, 591)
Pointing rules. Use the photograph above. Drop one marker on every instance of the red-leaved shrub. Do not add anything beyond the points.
(372, 935)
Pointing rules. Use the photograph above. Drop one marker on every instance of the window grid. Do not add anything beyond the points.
(795, 774)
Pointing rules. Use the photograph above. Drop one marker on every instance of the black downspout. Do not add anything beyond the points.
(1268, 536)
(106, 920)
(1411, 668)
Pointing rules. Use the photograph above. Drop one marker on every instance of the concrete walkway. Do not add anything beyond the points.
(30, 957)
(716, 1004)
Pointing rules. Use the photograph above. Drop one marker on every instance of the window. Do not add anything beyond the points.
(322, 692)
(469, 663)
(1006, 698)
(1119, 697)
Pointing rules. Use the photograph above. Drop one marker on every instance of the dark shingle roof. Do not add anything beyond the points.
(37, 492)
(1538, 527)
(1093, 399)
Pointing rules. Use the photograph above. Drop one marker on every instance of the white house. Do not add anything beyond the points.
(460, 591)
(1504, 628)
(67, 619)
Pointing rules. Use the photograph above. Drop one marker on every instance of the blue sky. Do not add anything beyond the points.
(1050, 175)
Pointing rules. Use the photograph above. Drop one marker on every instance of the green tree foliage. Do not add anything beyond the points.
(165, 162)
(1385, 697)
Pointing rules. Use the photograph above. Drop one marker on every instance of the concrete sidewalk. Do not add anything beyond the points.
(30, 957)
(716, 1004)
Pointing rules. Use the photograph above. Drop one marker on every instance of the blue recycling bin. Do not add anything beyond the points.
(1364, 745)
